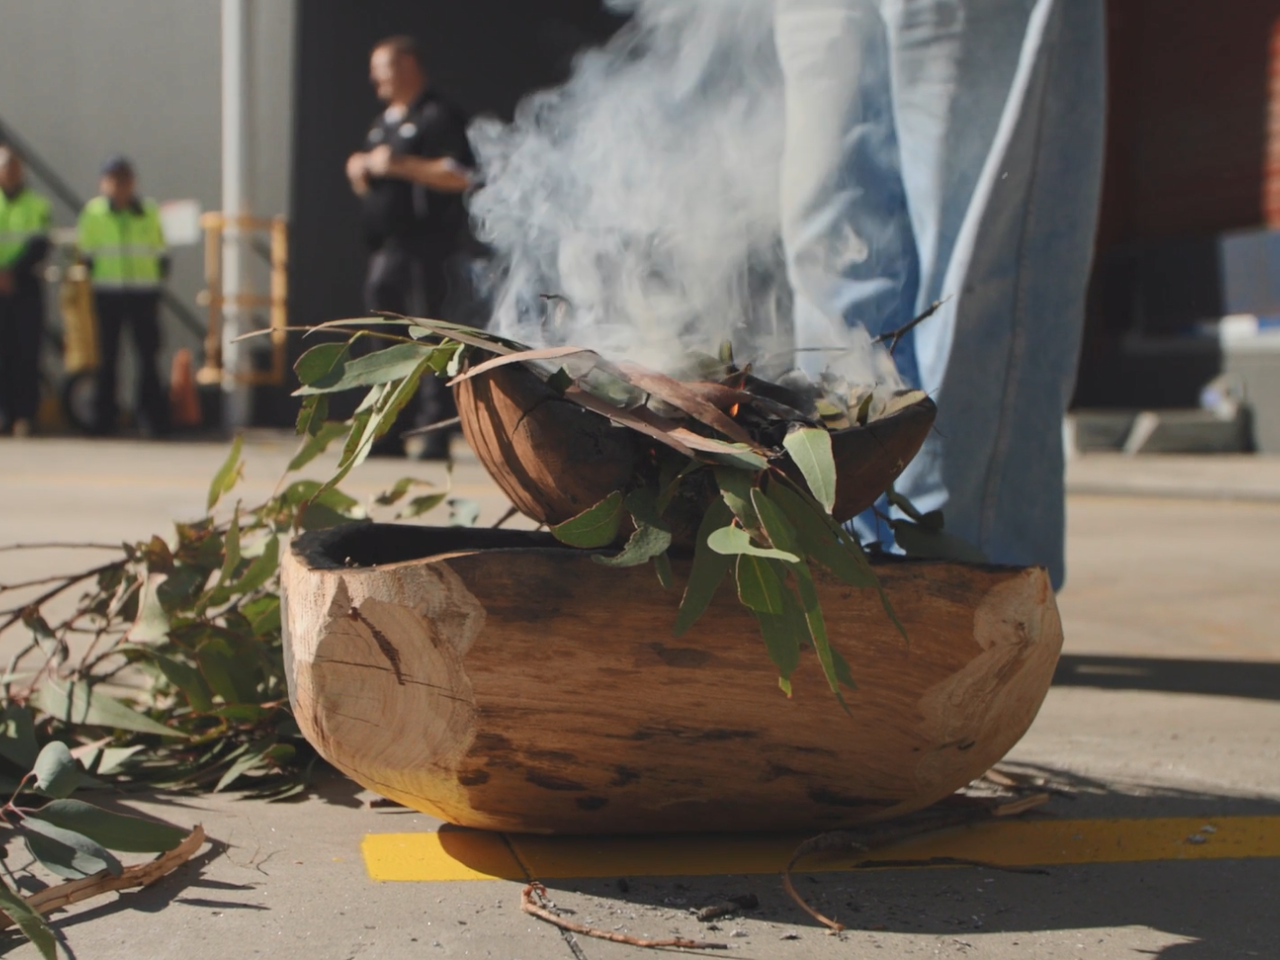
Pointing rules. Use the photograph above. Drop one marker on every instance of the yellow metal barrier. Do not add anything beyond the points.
(79, 322)
(215, 225)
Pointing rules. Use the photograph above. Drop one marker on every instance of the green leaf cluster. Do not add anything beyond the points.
(67, 837)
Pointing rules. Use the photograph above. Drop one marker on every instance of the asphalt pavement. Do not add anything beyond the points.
(1161, 739)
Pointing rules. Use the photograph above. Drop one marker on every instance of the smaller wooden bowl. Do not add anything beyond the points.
(555, 459)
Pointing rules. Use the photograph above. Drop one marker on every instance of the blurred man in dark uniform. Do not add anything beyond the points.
(24, 242)
(410, 177)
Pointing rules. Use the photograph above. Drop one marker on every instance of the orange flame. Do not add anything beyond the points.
(733, 411)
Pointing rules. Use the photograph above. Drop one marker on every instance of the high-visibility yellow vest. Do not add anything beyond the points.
(126, 246)
(22, 219)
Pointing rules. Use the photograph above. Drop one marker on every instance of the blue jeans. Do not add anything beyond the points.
(953, 148)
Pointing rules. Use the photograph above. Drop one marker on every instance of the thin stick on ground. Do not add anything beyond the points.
(59, 545)
(138, 875)
(882, 835)
(530, 906)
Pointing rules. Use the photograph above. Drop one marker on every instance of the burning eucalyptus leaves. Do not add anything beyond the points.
(744, 474)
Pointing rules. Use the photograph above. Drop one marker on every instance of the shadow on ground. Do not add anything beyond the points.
(1220, 908)
(1219, 678)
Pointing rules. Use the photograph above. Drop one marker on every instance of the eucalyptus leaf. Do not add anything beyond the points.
(261, 569)
(65, 852)
(376, 415)
(114, 831)
(902, 503)
(810, 450)
(708, 570)
(918, 540)
(231, 550)
(783, 633)
(188, 680)
(817, 628)
(645, 543)
(18, 736)
(423, 504)
(228, 474)
(153, 621)
(759, 586)
(322, 365)
(662, 567)
(29, 921)
(312, 414)
(735, 488)
(263, 615)
(253, 757)
(822, 539)
(56, 772)
(228, 676)
(651, 537)
(381, 366)
(736, 455)
(317, 442)
(319, 516)
(733, 541)
(597, 526)
(776, 526)
(395, 493)
(81, 704)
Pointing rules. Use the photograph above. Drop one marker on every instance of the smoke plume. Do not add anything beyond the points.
(634, 209)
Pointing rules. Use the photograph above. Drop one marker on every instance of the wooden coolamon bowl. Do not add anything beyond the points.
(498, 680)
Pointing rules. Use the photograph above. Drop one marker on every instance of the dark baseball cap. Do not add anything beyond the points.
(116, 166)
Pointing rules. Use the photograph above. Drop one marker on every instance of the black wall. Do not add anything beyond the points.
(484, 55)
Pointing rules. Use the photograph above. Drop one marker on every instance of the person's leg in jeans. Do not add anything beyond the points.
(152, 400)
(846, 232)
(1000, 165)
(111, 315)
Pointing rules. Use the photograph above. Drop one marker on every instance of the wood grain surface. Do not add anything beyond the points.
(499, 681)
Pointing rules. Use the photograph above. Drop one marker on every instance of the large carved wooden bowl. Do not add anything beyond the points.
(497, 680)
(555, 459)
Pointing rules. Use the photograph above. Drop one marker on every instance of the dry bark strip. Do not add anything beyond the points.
(534, 909)
(865, 841)
(138, 875)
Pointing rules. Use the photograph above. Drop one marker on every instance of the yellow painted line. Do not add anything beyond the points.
(452, 855)
(476, 855)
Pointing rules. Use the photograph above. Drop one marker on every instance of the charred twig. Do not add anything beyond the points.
(865, 841)
(511, 512)
(530, 906)
(893, 336)
(745, 901)
(14, 614)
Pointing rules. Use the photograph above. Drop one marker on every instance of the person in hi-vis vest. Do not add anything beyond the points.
(121, 239)
(24, 242)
